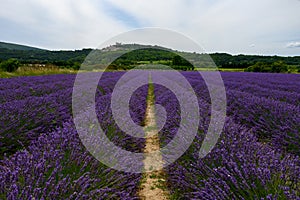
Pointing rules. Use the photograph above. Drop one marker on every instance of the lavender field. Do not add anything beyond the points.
(257, 156)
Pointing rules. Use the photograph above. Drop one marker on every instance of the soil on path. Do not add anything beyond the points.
(153, 185)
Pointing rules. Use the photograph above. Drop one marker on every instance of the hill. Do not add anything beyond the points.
(133, 54)
(11, 46)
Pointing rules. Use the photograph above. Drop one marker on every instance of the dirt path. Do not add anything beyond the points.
(153, 185)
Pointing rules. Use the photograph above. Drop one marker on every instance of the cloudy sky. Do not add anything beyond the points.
(266, 27)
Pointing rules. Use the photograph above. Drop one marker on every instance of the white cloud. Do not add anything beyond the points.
(226, 26)
(293, 45)
(61, 24)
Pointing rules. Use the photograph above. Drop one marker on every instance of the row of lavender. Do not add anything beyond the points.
(54, 163)
(45, 158)
(268, 104)
(257, 156)
(33, 105)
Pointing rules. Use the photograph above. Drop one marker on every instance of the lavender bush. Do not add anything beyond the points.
(50, 161)
(256, 157)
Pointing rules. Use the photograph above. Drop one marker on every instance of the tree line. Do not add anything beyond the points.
(11, 59)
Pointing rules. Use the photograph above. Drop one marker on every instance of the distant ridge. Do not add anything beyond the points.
(130, 47)
(148, 53)
(10, 46)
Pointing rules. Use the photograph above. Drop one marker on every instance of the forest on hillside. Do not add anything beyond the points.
(131, 55)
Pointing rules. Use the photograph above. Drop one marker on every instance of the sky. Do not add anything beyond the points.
(260, 27)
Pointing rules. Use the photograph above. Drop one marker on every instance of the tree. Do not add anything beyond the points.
(279, 67)
(176, 60)
(181, 63)
(275, 67)
(76, 66)
(10, 65)
(257, 67)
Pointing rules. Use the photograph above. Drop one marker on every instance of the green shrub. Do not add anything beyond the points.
(275, 67)
(10, 65)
